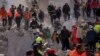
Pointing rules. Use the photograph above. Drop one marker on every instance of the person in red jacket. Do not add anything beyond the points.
(3, 14)
(94, 6)
(73, 35)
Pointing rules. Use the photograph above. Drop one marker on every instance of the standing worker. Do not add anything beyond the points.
(3, 14)
(10, 17)
(26, 18)
(17, 18)
(13, 10)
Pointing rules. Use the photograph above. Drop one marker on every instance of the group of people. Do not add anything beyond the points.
(80, 8)
(18, 14)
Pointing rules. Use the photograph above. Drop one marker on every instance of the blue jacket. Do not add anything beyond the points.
(91, 36)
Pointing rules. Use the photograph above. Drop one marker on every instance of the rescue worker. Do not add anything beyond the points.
(37, 50)
(17, 18)
(3, 14)
(20, 9)
(29, 53)
(66, 11)
(27, 18)
(97, 28)
(13, 11)
(10, 18)
(78, 51)
(39, 40)
(64, 38)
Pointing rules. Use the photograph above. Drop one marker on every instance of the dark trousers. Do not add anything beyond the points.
(26, 24)
(4, 22)
(94, 12)
(88, 12)
(65, 44)
(77, 14)
(67, 16)
(18, 21)
(91, 45)
(83, 11)
(41, 19)
(53, 18)
(10, 21)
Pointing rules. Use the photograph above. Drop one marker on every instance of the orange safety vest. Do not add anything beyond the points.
(9, 13)
(74, 53)
(3, 14)
(26, 15)
(17, 14)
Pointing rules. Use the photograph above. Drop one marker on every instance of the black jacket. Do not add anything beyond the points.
(58, 13)
(66, 9)
(41, 15)
(65, 34)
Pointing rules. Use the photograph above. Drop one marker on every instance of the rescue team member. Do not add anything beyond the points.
(10, 17)
(78, 51)
(3, 14)
(13, 10)
(17, 18)
(26, 18)
(39, 40)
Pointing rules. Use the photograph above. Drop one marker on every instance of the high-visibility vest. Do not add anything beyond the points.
(26, 15)
(38, 40)
(9, 13)
(97, 28)
(74, 53)
(3, 14)
(17, 14)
